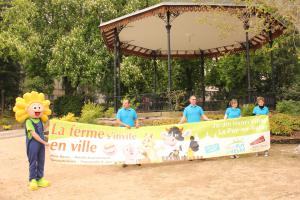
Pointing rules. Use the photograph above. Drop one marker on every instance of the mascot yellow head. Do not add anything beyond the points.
(32, 105)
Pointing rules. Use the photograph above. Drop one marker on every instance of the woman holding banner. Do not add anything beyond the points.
(261, 109)
(233, 112)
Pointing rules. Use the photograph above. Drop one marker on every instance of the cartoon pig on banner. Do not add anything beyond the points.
(174, 142)
(130, 154)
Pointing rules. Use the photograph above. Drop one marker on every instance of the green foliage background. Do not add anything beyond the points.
(43, 40)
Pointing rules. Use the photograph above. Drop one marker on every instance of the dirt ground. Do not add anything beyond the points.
(249, 177)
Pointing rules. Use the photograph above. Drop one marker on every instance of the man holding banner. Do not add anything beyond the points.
(126, 116)
(193, 112)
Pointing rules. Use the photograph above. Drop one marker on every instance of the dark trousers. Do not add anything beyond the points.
(36, 159)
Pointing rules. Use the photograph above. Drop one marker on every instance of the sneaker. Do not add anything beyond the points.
(266, 153)
(43, 183)
(234, 156)
(33, 185)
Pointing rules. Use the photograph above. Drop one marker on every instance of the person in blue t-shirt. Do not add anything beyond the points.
(193, 112)
(233, 111)
(126, 116)
(261, 109)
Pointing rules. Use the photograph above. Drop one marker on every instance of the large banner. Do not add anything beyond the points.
(79, 143)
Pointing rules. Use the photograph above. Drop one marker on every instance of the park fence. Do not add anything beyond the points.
(214, 101)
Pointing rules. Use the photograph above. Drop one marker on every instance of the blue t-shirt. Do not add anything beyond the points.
(260, 111)
(127, 116)
(193, 113)
(233, 112)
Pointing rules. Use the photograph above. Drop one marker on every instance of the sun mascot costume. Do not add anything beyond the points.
(33, 109)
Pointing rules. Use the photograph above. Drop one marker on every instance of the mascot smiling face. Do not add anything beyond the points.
(32, 105)
(35, 110)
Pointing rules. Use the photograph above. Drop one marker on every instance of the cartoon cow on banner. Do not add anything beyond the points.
(174, 142)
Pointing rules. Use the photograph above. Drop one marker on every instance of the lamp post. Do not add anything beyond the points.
(168, 27)
(246, 28)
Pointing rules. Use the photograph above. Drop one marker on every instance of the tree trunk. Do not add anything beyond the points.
(69, 89)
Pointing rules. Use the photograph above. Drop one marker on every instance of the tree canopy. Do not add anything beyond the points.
(46, 40)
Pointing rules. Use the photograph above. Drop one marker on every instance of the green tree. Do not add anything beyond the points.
(134, 73)
(10, 77)
(57, 39)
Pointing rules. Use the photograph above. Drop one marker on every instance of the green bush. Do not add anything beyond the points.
(109, 112)
(68, 104)
(247, 110)
(90, 112)
(6, 121)
(6, 127)
(177, 98)
(70, 117)
(215, 116)
(288, 107)
(283, 124)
